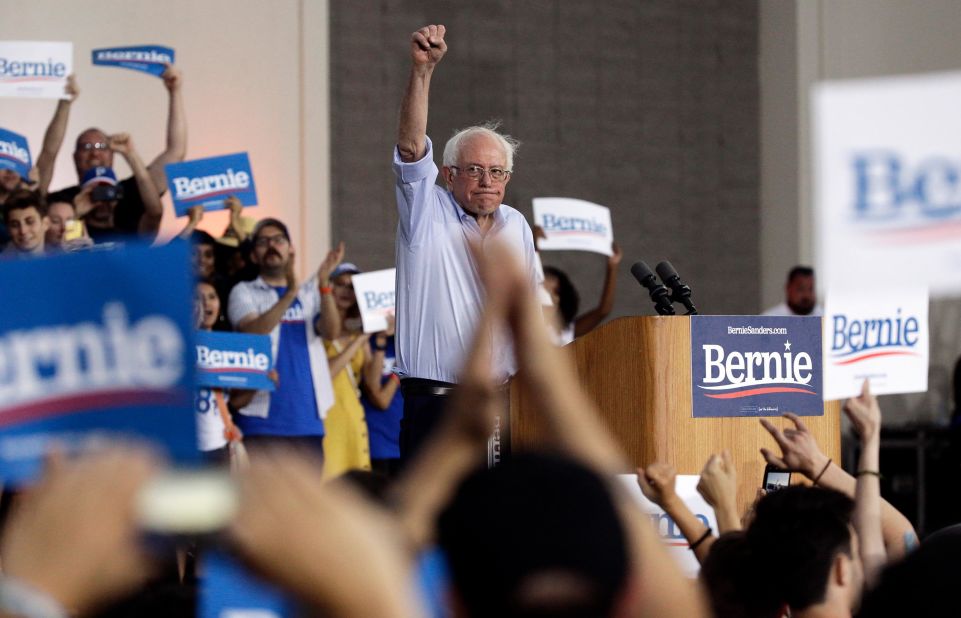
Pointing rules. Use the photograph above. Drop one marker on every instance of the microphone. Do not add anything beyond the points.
(680, 293)
(659, 294)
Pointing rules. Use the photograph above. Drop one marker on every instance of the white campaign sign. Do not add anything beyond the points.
(879, 336)
(35, 69)
(375, 297)
(573, 225)
(686, 488)
(887, 171)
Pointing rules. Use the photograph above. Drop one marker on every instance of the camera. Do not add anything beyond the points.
(106, 193)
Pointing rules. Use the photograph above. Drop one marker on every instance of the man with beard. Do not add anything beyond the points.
(800, 296)
(296, 316)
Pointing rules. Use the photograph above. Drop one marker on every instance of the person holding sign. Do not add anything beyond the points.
(439, 295)
(295, 315)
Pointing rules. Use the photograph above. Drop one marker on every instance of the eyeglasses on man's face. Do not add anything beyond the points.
(277, 240)
(87, 146)
(476, 172)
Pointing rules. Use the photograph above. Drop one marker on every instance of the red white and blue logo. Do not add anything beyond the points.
(756, 366)
(233, 360)
(855, 341)
(14, 153)
(209, 182)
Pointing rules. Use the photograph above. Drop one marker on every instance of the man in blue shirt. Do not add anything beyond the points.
(439, 294)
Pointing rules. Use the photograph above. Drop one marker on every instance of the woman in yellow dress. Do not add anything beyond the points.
(353, 363)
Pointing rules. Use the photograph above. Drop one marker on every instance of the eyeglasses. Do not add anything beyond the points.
(93, 146)
(475, 172)
(278, 240)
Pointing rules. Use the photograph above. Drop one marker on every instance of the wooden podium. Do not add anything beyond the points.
(638, 371)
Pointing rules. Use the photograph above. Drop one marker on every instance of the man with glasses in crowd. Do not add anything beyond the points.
(131, 212)
(296, 316)
(439, 294)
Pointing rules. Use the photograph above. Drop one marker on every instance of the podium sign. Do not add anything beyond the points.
(755, 366)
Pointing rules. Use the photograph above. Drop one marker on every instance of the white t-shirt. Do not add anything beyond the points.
(210, 425)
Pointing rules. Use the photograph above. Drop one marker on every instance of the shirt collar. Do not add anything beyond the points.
(499, 219)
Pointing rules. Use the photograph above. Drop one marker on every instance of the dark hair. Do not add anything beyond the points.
(277, 223)
(799, 271)
(200, 237)
(801, 530)
(728, 575)
(535, 519)
(22, 199)
(570, 300)
(221, 324)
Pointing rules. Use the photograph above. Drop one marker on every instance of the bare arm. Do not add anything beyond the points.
(264, 323)
(427, 47)
(195, 215)
(339, 361)
(587, 322)
(865, 417)
(800, 452)
(380, 394)
(657, 484)
(176, 148)
(53, 138)
(328, 324)
(718, 486)
(152, 207)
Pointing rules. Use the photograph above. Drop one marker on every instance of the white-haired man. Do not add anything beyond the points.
(439, 293)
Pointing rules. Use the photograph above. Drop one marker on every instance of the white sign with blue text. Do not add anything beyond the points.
(755, 366)
(97, 353)
(375, 297)
(35, 69)
(573, 225)
(209, 182)
(233, 360)
(887, 169)
(150, 59)
(685, 486)
(881, 336)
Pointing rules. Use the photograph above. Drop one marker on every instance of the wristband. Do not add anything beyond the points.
(869, 473)
(703, 538)
(823, 470)
(395, 377)
(326, 289)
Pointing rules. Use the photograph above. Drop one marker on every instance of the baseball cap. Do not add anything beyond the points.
(345, 268)
(99, 175)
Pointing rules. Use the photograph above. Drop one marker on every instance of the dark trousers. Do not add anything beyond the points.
(424, 403)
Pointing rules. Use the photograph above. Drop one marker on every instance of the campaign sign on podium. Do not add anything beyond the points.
(209, 182)
(96, 354)
(234, 360)
(756, 366)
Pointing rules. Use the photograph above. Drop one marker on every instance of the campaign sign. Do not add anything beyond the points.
(233, 360)
(677, 546)
(878, 336)
(755, 366)
(375, 297)
(573, 225)
(98, 352)
(14, 153)
(35, 69)
(887, 164)
(147, 58)
(209, 182)
(228, 590)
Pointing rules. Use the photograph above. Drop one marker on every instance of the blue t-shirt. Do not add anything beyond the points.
(293, 405)
(383, 426)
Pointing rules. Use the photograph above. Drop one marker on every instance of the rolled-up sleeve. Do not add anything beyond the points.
(415, 190)
(240, 305)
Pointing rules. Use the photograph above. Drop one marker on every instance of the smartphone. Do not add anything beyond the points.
(187, 503)
(775, 478)
(72, 229)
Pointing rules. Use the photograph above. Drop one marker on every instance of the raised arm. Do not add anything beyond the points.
(865, 417)
(427, 47)
(152, 207)
(341, 359)
(800, 452)
(718, 487)
(53, 138)
(380, 394)
(657, 484)
(587, 322)
(328, 323)
(176, 148)
(264, 323)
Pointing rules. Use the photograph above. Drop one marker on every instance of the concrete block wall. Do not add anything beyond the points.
(649, 108)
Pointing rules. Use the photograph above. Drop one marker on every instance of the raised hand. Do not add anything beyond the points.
(291, 275)
(427, 46)
(657, 483)
(334, 257)
(615, 257)
(865, 414)
(195, 215)
(173, 78)
(718, 482)
(799, 449)
(121, 142)
(71, 89)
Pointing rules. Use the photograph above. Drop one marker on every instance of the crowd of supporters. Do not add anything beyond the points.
(330, 511)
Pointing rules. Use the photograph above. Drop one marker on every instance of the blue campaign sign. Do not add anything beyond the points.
(147, 58)
(100, 349)
(756, 366)
(14, 153)
(233, 360)
(209, 182)
(227, 590)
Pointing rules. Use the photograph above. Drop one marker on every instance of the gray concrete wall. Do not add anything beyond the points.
(649, 108)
